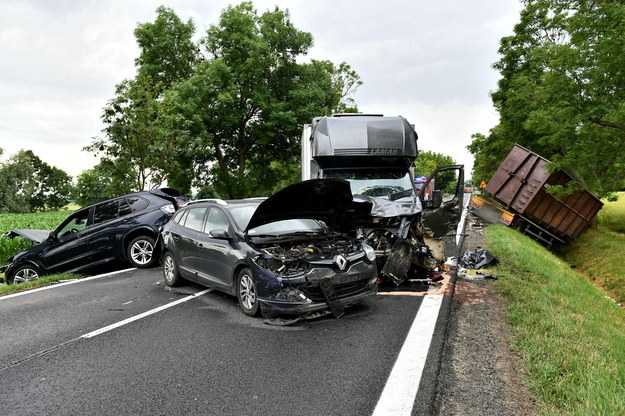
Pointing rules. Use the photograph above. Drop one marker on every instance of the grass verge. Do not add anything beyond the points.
(570, 336)
(600, 253)
(42, 281)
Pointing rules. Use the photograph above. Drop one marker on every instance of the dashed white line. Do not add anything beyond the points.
(143, 315)
(71, 282)
(398, 396)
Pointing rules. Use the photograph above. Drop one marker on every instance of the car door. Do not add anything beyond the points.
(441, 197)
(104, 237)
(66, 249)
(187, 243)
(215, 259)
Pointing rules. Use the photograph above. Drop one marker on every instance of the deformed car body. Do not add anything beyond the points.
(118, 229)
(410, 218)
(285, 255)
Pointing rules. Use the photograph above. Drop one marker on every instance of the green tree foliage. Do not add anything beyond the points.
(225, 113)
(561, 93)
(428, 161)
(133, 138)
(29, 184)
(100, 183)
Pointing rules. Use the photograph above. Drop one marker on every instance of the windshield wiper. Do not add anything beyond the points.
(395, 196)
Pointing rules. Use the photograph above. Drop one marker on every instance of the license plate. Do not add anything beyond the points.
(335, 304)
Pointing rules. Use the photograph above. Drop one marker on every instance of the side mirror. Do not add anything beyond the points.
(219, 234)
(437, 198)
(52, 236)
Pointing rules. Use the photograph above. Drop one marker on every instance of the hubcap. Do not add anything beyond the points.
(141, 252)
(168, 268)
(25, 275)
(247, 292)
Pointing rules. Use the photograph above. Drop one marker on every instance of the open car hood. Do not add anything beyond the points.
(327, 200)
(36, 236)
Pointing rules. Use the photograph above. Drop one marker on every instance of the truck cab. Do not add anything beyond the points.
(376, 155)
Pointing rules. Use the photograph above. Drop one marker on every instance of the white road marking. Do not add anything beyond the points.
(71, 282)
(400, 391)
(143, 315)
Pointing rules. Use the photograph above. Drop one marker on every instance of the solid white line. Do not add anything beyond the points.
(400, 391)
(52, 286)
(143, 315)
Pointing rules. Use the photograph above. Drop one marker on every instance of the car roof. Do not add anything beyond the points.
(225, 203)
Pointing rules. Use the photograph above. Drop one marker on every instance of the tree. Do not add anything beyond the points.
(29, 184)
(16, 184)
(239, 116)
(561, 93)
(133, 140)
(133, 137)
(428, 161)
(51, 186)
(100, 183)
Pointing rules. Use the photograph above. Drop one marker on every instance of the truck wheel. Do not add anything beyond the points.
(140, 252)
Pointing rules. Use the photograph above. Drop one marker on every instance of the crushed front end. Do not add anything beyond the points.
(302, 277)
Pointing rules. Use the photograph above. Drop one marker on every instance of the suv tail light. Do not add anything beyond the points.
(168, 209)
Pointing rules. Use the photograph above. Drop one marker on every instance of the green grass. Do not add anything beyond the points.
(600, 253)
(570, 336)
(42, 281)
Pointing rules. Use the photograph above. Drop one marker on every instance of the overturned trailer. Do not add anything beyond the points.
(521, 184)
(375, 154)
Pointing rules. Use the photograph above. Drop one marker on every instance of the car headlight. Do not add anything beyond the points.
(369, 251)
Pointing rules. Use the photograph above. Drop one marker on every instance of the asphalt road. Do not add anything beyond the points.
(202, 356)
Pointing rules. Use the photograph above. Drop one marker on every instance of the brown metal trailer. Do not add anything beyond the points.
(520, 183)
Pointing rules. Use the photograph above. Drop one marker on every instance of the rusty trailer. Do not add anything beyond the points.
(521, 184)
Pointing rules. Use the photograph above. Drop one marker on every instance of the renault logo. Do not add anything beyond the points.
(340, 261)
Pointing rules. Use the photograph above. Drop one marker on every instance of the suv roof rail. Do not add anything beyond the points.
(215, 200)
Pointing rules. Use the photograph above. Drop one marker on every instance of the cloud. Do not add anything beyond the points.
(428, 61)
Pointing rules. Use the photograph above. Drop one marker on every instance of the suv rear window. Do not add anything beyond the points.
(137, 204)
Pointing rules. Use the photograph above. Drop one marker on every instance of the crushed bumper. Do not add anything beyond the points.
(289, 307)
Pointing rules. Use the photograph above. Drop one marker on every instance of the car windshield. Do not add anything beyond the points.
(379, 183)
(243, 214)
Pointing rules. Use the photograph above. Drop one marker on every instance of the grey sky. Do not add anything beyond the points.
(427, 61)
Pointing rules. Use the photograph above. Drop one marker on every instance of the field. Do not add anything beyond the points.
(37, 221)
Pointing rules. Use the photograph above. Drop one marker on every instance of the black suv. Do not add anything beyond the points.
(122, 228)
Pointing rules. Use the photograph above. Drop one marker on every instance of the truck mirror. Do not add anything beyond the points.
(437, 198)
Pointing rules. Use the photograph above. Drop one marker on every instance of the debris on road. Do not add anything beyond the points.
(477, 259)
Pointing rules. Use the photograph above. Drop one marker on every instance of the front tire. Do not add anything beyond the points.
(170, 271)
(23, 273)
(246, 293)
(141, 252)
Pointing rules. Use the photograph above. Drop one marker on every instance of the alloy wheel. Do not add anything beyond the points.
(141, 252)
(247, 291)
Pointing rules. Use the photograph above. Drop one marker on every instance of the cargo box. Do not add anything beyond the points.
(521, 184)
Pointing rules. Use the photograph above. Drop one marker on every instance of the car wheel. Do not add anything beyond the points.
(23, 273)
(140, 252)
(170, 271)
(246, 292)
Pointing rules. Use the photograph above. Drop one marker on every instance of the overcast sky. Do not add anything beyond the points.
(429, 61)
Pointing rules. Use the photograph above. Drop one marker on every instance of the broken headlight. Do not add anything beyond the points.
(280, 266)
(369, 252)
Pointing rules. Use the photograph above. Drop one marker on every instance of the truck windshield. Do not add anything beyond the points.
(378, 183)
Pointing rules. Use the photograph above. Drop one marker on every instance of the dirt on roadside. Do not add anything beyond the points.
(480, 373)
